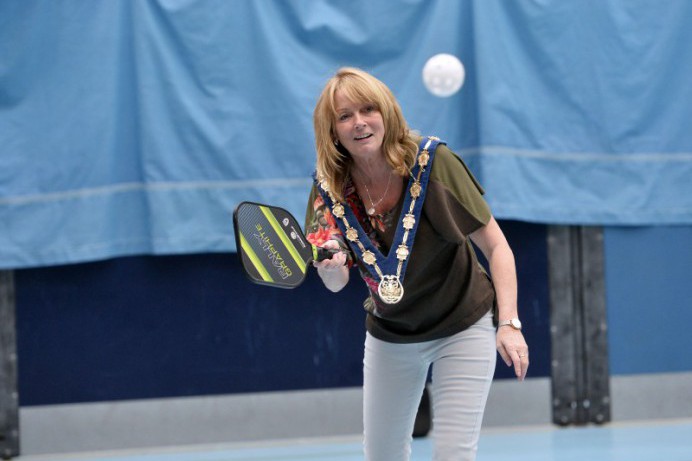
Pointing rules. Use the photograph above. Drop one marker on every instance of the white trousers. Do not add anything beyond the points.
(395, 376)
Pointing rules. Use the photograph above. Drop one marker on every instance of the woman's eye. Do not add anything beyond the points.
(343, 117)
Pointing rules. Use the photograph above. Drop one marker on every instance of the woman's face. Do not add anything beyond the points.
(359, 127)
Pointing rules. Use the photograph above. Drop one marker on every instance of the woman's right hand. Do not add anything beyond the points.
(333, 271)
(337, 260)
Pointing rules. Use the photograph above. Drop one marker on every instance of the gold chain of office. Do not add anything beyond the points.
(390, 289)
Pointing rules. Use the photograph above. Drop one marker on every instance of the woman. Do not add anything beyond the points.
(378, 189)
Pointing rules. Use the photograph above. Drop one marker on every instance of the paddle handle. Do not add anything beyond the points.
(320, 254)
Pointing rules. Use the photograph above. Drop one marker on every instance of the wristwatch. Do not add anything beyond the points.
(514, 323)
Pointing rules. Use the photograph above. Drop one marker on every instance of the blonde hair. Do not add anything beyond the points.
(398, 146)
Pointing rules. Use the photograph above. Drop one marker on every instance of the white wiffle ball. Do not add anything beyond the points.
(443, 75)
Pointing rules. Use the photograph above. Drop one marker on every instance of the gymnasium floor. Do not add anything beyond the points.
(666, 440)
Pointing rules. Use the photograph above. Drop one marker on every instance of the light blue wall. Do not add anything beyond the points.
(135, 127)
(649, 297)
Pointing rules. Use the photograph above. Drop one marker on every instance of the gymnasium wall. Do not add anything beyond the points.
(129, 130)
(171, 326)
(649, 298)
(175, 326)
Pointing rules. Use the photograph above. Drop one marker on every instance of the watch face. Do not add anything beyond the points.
(515, 323)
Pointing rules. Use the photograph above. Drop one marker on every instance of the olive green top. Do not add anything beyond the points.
(446, 290)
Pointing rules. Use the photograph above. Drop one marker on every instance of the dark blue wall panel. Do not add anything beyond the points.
(167, 326)
(649, 298)
(150, 327)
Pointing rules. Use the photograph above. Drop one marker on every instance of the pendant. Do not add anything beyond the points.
(371, 211)
(390, 289)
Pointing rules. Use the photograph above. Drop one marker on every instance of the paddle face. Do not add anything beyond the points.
(271, 245)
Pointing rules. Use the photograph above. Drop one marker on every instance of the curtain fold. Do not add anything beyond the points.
(136, 127)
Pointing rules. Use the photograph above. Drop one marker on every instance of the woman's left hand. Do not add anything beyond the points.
(513, 350)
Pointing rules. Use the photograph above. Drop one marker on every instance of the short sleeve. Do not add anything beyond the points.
(455, 198)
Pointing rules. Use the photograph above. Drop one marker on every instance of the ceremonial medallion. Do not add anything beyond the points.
(338, 210)
(415, 190)
(369, 257)
(351, 234)
(390, 289)
(423, 158)
(409, 221)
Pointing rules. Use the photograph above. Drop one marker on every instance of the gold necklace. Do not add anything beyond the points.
(390, 289)
(372, 209)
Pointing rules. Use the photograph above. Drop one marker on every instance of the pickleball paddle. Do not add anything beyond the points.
(272, 247)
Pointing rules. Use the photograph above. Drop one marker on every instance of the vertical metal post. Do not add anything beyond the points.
(578, 325)
(9, 401)
(596, 400)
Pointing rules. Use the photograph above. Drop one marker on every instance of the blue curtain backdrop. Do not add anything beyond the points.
(135, 127)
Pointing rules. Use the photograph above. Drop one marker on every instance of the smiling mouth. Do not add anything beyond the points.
(360, 138)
